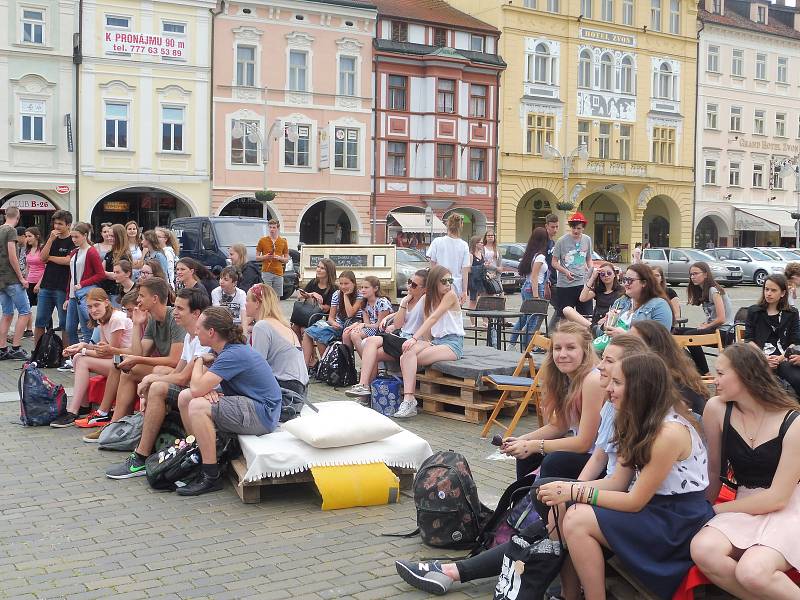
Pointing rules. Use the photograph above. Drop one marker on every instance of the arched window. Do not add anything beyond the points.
(626, 76)
(585, 69)
(541, 64)
(664, 82)
(606, 72)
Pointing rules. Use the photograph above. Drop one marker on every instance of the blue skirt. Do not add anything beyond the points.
(653, 543)
(323, 332)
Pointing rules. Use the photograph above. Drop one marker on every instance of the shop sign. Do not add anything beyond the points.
(767, 145)
(28, 202)
(324, 149)
(62, 189)
(608, 37)
(116, 206)
(126, 42)
(747, 222)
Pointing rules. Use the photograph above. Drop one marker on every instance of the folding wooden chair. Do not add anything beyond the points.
(704, 339)
(517, 382)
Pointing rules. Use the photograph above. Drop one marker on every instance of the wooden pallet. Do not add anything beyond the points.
(250, 491)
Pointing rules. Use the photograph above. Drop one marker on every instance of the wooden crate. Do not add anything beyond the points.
(250, 491)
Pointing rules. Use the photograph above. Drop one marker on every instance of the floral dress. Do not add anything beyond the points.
(381, 305)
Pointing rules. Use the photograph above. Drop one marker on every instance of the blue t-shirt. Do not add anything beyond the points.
(245, 372)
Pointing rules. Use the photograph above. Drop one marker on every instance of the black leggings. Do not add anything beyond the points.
(555, 464)
(791, 374)
(568, 296)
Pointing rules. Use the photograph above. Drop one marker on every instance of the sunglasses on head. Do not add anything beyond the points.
(412, 284)
(447, 280)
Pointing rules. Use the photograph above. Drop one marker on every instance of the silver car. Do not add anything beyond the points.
(408, 262)
(784, 255)
(756, 266)
(675, 263)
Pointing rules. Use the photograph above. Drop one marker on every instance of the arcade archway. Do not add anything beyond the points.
(328, 222)
(149, 207)
(531, 212)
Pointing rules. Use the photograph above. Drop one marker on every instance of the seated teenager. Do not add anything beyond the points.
(374, 308)
(115, 328)
(320, 289)
(228, 295)
(437, 578)
(571, 404)
(704, 291)
(671, 295)
(602, 287)
(192, 273)
(158, 392)
(682, 372)
(123, 278)
(644, 299)
(161, 344)
(773, 325)
(409, 316)
(647, 511)
(752, 541)
(248, 400)
(443, 325)
(344, 306)
(273, 338)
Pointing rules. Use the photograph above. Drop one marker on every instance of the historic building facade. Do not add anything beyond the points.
(616, 77)
(437, 75)
(748, 123)
(37, 169)
(292, 115)
(144, 110)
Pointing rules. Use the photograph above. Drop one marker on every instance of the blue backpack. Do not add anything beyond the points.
(41, 401)
(387, 393)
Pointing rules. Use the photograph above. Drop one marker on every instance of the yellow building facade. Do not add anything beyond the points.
(615, 76)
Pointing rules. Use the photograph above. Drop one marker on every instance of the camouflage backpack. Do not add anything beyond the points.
(449, 513)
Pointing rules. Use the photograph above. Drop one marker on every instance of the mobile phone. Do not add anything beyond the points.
(118, 358)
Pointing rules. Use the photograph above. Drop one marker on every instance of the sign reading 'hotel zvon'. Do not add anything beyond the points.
(608, 37)
(126, 42)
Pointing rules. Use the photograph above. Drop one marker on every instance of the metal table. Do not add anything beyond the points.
(496, 319)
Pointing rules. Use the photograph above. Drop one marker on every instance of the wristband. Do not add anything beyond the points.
(594, 498)
(541, 447)
(83, 351)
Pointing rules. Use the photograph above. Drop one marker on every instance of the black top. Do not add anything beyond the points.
(602, 302)
(552, 274)
(251, 275)
(312, 287)
(773, 335)
(56, 277)
(671, 293)
(752, 467)
(200, 285)
(109, 285)
(696, 402)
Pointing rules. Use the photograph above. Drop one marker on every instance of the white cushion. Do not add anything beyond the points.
(339, 424)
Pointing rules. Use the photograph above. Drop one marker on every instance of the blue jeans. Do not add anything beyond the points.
(78, 314)
(14, 296)
(46, 302)
(526, 325)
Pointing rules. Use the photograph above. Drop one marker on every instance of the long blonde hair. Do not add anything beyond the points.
(562, 392)
(172, 241)
(268, 304)
(241, 250)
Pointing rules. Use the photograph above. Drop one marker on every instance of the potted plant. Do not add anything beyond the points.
(565, 206)
(265, 195)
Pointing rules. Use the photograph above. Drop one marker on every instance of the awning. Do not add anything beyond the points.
(415, 223)
(753, 219)
(28, 202)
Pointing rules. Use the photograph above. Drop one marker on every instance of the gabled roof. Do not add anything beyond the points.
(423, 50)
(733, 18)
(436, 12)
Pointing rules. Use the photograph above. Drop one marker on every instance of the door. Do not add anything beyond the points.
(678, 266)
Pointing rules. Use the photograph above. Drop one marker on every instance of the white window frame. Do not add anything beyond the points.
(543, 65)
(172, 124)
(585, 69)
(782, 70)
(604, 140)
(389, 95)
(477, 114)
(349, 123)
(605, 72)
(231, 122)
(735, 174)
(245, 64)
(118, 27)
(628, 12)
(341, 84)
(587, 8)
(33, 116)
(759, 121)
(180, 35)
(349, 133)
(761, 14)
(674, 17)
(607, 10)
(665, 82)
(761, 66)
(33, 23)
(780, 125)
(128, 119)
(712, 116)
(391, 160)
(758, 175)
(710, 171)
(554, 6)
(484, 153)
(625, 141)
(735, 113)
(712, 59)
(292, 78)
(529, 3)
(480, 46)
(304, 131)
(737, 62)
(655, 15)
(585, 134)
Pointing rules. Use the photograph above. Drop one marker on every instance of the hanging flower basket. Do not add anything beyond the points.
(567, 206)
(265, 195)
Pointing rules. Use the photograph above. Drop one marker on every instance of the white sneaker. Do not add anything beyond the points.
(408, 408)
(66, 366)
(358, 390)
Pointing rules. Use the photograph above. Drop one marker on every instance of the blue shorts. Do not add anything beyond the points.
(452, 341)
(15, 296)
(323, 333)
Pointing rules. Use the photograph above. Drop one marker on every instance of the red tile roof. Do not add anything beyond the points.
(731, 18)
(431, 11)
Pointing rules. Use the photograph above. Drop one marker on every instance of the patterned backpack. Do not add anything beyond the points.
(337, 367)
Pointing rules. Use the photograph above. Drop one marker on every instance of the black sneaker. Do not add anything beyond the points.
(28, 333)
(201, 485)
(425, 575)
(65, 420)
(133, 467)
(18, 354)
(4, 353)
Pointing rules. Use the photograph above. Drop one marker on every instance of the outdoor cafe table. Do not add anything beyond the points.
(496, 319)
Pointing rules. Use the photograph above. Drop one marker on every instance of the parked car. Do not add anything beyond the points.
(676, 262)
(785, 255)
(407, 262)
(756, 266)
(207, 239)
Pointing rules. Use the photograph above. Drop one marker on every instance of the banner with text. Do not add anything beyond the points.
(126, 42)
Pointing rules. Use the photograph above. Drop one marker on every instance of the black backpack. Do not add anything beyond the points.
(47, 353)
(449, 513)
(337, 367)
(178, 463)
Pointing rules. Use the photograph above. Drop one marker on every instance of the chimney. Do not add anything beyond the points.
(796, 20)
(716, 7)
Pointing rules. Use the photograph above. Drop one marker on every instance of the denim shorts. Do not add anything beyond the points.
(15, 296)
(453, 341)
(323, 332)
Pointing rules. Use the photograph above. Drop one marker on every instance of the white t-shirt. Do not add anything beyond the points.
(542, 260)
(234, 303)
(192, 348)
(453, 254)
(119, 320)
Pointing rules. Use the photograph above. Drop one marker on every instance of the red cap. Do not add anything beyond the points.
(578, 218)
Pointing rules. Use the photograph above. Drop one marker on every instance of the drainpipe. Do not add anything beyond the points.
(696, 129)
(77, 59)
(214, 15)
(374, 208)
(497, 154)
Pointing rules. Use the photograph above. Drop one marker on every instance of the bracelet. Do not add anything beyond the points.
(83, 351)
(572, 493)
(541, 447)
(594, 498)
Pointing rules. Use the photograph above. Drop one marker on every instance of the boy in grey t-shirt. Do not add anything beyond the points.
(572, 259)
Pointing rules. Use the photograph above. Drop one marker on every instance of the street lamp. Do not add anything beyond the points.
(252, 131)
(567, 162)
(792, 165)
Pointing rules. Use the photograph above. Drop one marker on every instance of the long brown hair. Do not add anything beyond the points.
(698, 294)
(629, 343)
(220, 320)
(681, 368)
(752, 369)
(341, 311)
(649, 396)
(432, 294)
(119, 249)
(99, 294)
(562, 393)
(652, 288)
(330, 271)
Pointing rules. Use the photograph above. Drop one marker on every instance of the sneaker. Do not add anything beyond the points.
(18, 354)
(65, 420)
(94, 437)
(94, 419)
(202, 485)
(4, 353)
(408, 408)
(66, 366)
(133, 467)
(358, 390)
(28, 333)
(426, 576)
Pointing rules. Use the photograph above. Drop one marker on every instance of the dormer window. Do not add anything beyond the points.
(716, 7)
(477, 43)
(761, 14)
(439, 37)
(399, 31)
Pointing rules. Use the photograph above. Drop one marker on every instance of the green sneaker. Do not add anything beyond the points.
(133, 467)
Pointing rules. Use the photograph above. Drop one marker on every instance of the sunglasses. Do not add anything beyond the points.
(447, 280)
(629, 280)
(412, 285)
(606, 273)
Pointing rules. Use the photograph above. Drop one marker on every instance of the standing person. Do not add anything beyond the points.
(273, 252)
(13, 289)
(551, 226)
(477, 271)
(171, 249)
(106, 242)
(637, 253)
(228, 295)
(533, 266)
(452, 253)
(249, 400)
(250, 275)
(134, 237)
(118, 252)
(86, 271)
(443, 325)
(749, 545)
(33, 258)
(572, 258)
(491, 253)
(52, 289)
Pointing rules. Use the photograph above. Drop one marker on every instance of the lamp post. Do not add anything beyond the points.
(567, 162)
(252, 133)
(792, 165)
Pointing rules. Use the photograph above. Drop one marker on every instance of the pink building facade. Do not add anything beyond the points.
(292, 114)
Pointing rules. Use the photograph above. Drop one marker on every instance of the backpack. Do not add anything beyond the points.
(387, 393)
(449, 513)
(47, 353)
(337, 367)
(531, 562)
(179, 462)
(122, 435)
(515, 511)
(41, 401)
